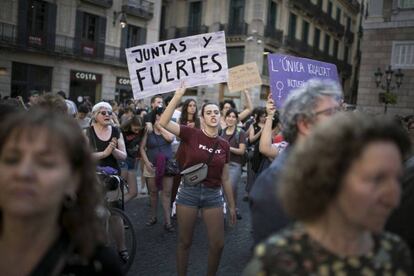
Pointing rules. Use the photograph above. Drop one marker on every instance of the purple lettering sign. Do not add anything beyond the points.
(289, 72)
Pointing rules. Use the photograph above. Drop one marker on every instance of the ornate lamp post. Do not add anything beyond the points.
(388, 97)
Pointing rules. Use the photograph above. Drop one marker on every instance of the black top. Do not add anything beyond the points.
(132, 141)
(62, 259)
(99, 145)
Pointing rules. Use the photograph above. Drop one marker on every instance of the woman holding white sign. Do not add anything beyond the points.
(202, 188)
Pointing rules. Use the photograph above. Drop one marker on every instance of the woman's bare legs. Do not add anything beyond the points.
(167, 182)
(132, 185)
(153, 190)
(186, 218)
(214, 221)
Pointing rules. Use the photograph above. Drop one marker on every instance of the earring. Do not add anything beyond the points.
(69, 201)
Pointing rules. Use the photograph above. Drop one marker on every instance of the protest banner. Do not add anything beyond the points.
(160, 67)
(288, 72)
(243, 77)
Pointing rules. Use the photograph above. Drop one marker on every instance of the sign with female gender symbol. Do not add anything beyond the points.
(288, 73)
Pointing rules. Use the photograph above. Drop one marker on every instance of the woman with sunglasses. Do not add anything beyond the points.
(108, 147)
(197, 145)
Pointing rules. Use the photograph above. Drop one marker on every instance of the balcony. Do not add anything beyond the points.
(64, 46)
(306, 6)
(236, 29)
(190, 30)
(102, 3)
(298, 46)
(139, 8)
(354, 5)
(327, 21)
(273, 34)
(349, 37)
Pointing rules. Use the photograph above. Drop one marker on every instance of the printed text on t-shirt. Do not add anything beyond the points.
(210, 150)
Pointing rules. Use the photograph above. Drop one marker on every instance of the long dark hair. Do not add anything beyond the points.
(184, 113)
(80, 220)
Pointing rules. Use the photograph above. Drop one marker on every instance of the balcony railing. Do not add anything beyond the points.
(297, 45)
(139, 8)
(190, 30)
(325, 19)
(306, 6)
(103, 3)
(236, 29)
(273, 33)
(64, 46)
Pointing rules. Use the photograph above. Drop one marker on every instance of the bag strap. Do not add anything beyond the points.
(211, 154)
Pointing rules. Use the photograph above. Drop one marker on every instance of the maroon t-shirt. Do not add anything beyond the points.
(195, 147)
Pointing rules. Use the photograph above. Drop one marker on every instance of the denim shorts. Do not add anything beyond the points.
(199, 196)
(129, 164)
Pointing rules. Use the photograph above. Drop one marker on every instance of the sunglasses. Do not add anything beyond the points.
(104, 113)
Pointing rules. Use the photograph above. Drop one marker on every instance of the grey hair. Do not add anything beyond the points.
(301, 103)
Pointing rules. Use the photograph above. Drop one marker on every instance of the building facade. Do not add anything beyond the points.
(76, 46)
(326, 30)
(388, 41)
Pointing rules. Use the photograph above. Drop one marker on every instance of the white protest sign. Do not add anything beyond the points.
(160, 67)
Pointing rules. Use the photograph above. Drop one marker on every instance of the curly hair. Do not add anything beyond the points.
(309, 185)
(301, 103)
(79, 221)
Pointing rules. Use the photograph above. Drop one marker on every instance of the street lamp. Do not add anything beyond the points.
(122, 21)
(388, 97)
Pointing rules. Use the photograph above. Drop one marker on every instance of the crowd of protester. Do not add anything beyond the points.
(321, 184)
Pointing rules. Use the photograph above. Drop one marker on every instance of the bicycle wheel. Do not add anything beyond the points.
(120, 220)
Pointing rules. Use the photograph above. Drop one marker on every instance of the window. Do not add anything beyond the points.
(194, 16)
(235, 56)
(326, 45)
(338, 15)
(89, 27)
(317, 38)
(403, 54)
(406, 4)
(346, 54)
(330, 8)
(37, 18)
(335, 50)
(348, 23)
(135, 36)
(272, 14)
(236, 12)
(319, 4)
(305, 32)
(292, 25)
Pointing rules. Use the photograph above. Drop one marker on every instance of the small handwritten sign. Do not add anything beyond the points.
(288, 72)
(243, 77)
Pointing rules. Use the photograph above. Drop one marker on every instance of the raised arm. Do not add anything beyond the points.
(265, 144)
(249, 106)
(165, 120)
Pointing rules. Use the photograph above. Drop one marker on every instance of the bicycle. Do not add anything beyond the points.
(124, 243)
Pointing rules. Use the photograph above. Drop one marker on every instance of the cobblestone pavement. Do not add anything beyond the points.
(156, 248)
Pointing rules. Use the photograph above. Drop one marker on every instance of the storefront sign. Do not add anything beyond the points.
(287, 73)
(85, 76)
(160, 67)
(123, 81)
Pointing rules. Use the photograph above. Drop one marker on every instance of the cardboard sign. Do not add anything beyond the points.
(160, 67)
(288, 72)
(244, 76)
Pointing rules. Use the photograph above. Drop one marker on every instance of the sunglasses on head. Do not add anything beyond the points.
(104, 113)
